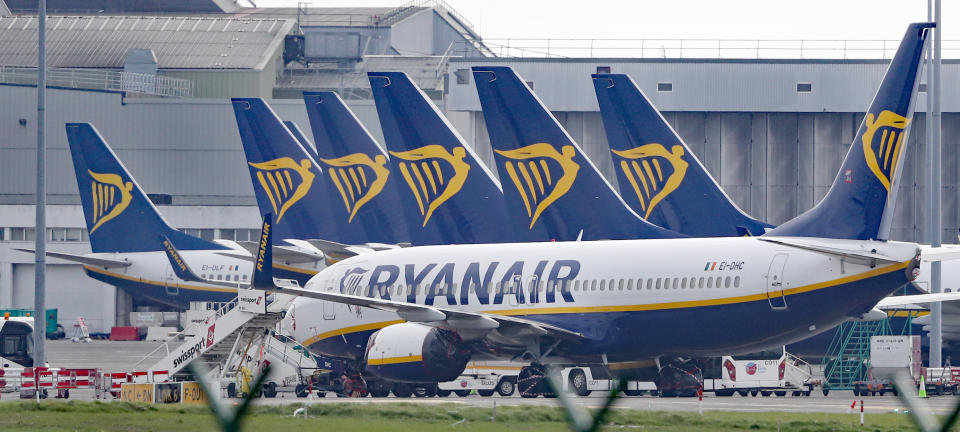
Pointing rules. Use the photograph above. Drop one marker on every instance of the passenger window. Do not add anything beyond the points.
(593, 285)
(576, 285)
(203, 276)
(658, 283)
(683, 283)
(602, 284)
(701, 282)
(676, 283)
(219, 277)
(736, 282)
(709, 282)
(726, 283)
(620, 285)
(236, 278)
(718, 282)
(629, 284)
(650, 283)
(244, 277)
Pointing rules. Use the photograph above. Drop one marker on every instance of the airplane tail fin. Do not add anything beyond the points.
(360, 182)
(861, 201)
(119, 216)
(301, 138)
(263, 261)
(448, 195)
(660, 178)
(286, 178)
(547, 177)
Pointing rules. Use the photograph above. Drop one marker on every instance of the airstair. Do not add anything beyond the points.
(216, 339)
(848, 356)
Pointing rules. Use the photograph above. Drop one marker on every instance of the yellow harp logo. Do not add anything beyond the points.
(111, 196)
(358, 178)
(883, 150)
(433, 174)
(284, 181)
(653, 172)
(530, 171)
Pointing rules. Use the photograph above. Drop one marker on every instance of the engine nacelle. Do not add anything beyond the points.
(410, 352)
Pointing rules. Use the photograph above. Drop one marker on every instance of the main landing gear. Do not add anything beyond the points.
(532, 382)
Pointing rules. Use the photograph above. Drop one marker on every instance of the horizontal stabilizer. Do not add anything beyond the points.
(83, 259)
(942, 253)
(815, 245)
(287, 254)
(184, 272)
(896, 301)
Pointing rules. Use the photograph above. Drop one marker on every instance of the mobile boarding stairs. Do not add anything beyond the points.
(239, 331)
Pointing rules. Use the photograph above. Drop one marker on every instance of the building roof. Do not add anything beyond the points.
(125, 6)
(178, 42)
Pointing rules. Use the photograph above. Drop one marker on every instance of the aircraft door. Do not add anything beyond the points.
(775, 283)
(170, 281)
(329, 310)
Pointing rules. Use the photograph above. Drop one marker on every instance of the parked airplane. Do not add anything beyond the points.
(552, 183)
(426, 311)
(659, 176)
(129, 238)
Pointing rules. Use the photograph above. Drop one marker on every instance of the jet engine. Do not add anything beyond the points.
(410, 352)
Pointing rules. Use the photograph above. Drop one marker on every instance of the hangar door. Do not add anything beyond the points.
(70, 291)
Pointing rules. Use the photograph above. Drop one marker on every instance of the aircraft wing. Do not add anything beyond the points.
(815, 245)
(471, 325)
(288, 254)
(456, 319)
(891, 302)
(96, 262)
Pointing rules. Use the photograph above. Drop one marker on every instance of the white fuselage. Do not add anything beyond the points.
(629, 298)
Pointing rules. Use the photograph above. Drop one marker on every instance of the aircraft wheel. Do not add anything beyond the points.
(754, 393)
(743, 393)
(530, 381)
(485, 393)
(765, 393)
(443, 393)
(780, 393)
(462, 393)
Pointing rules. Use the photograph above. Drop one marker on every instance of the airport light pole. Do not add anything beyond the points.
(40, 256)
(936, 222)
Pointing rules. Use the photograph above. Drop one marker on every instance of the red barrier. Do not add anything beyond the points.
(124, 334)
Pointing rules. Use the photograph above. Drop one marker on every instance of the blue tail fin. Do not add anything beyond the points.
(357, 168)
(549, 180)
(861, 202)
(263, 262)
(448, 195)
(660, 178)
(120, 217)
(301, 138)
(286, 179)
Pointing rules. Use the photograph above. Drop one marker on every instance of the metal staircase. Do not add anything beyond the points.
(848, 356)
(216, 339)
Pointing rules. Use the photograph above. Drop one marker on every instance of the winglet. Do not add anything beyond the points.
(177, 263)
(263, 267)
